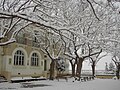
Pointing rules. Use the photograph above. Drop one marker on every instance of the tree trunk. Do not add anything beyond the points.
(118, 72)
(79, 67)
(93, 69)
(73, 68)
(52, 66)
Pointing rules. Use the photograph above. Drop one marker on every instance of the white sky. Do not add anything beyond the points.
(100, 65)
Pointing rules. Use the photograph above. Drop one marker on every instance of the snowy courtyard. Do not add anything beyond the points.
(97, 84)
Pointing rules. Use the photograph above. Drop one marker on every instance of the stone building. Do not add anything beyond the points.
(23, 58)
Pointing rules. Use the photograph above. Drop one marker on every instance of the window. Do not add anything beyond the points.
(35, 37)
(34, 59)
(45, 65)
(19, 58)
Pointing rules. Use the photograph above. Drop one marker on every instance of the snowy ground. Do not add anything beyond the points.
(97, 84)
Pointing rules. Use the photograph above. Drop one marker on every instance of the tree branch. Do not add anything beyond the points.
(93, 10)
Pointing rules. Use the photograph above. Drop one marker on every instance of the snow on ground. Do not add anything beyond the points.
(97, 84)
(23, 78)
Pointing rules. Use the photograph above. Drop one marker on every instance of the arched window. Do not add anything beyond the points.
(19, 58)
(34, 59)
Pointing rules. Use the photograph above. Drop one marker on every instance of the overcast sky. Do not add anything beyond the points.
(100, 65)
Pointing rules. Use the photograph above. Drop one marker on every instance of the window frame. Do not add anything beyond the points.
(19, 58)
(34, 60)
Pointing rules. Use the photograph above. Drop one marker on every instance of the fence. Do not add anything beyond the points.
(97, 72)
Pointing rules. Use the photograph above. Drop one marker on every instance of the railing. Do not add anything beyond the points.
(97, 72)
(22, 40)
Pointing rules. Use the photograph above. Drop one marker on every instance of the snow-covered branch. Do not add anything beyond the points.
(11, 40)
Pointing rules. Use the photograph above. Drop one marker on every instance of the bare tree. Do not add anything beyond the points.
(50, 44)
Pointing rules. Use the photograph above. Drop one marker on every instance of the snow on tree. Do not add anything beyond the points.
(48, 13)
(15, 15)
(97, 33)
(79, 46)
(9, 25)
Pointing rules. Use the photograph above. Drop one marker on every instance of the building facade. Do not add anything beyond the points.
(23, 58)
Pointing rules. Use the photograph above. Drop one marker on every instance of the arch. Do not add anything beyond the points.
(23, 51)
(39, 57)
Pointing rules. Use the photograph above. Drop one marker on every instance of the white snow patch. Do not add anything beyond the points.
(22, 78)
(97, 84)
